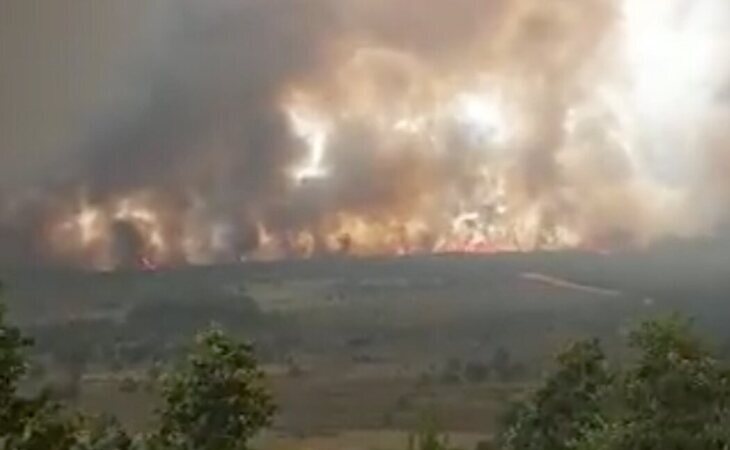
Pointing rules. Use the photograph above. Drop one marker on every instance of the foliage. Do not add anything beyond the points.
(428, 437)
(26, 423)
(216, 401)
(674, 396)
(12, 368)
(102, 433)
(567, 407)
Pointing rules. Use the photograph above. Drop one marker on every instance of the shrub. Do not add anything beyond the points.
(674, 396)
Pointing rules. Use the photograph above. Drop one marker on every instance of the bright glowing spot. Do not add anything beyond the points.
(483, 117)
(674, 56)
(314, 132)
(87, 221)
(127, 210)
(411, 125)
(669, 52)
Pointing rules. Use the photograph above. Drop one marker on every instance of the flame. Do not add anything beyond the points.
(502, 157)
(314, 132)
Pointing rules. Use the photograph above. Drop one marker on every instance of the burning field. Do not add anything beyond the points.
(257, 130)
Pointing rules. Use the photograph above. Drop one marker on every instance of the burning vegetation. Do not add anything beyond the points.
(286, 129)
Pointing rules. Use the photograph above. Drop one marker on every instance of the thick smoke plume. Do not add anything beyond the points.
(255, 129)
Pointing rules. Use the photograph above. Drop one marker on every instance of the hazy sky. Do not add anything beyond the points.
(59, 62)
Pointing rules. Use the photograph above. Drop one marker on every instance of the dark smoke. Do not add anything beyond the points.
(193, 123)
(128, 245)
(211, 117)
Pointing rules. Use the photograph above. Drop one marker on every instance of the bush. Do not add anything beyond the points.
(216, 400)
(428, 437)
(674, 396)
(568, 407)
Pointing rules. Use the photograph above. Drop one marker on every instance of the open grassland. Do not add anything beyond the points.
(357, 351)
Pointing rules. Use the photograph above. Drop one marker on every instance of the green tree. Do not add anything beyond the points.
(216, 401)
(103, 433)
(674, 396)
(428, 436)
(12, 369)
(568, 407)
(26, 423)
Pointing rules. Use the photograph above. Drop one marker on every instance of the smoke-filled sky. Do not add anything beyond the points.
(152, 132)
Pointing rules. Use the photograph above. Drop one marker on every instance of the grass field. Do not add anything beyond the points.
(358, 351)
(361, 440)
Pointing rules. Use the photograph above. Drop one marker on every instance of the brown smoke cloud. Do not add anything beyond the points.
(235, 129)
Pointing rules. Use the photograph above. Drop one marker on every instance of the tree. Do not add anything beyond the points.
(41, 425)
(674, 396)
(567, 407)
(215, 401)
(103, 433)
(26, 423)
(428, 436)
(12, 369)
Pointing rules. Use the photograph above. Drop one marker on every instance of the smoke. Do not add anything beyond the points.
(276, 128)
